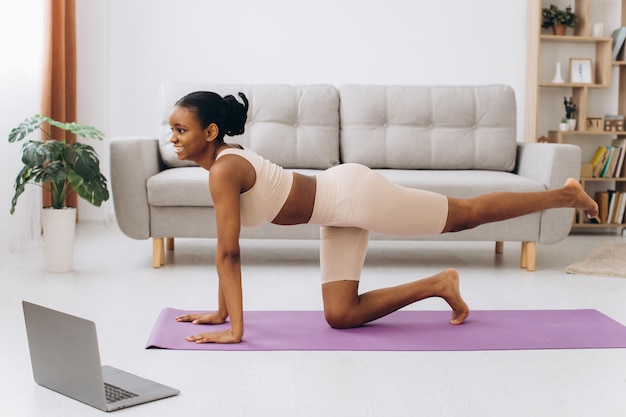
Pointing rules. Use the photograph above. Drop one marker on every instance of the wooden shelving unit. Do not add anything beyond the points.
(599, 49)
(557, 136)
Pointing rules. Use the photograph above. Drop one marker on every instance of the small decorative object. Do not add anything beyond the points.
(570, 109)
(614, 123)
(597, 30)
(572, 124)
(618, 36)
(580, 70)
(558, 79)
(595, 124)
(564, 125)
(558, 19)
(59, 167)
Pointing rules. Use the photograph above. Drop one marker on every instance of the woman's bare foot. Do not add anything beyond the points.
(452, 295)
(580, 199)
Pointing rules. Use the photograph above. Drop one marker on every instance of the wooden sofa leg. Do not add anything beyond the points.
(528, 256)
(169, 243)
(158, 252)
(500, 247)
(531, 255)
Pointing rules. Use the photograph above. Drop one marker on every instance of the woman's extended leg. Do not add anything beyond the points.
(345, 308)
(468, 213)
(378, 207)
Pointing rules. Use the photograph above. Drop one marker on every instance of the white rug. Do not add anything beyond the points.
(607, 260)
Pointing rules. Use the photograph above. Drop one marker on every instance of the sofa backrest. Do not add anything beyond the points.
(293, 126)
(429, 127)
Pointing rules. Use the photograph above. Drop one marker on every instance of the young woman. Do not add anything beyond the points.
(347, 201)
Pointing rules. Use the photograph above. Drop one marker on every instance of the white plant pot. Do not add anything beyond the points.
(59, 227)
(572, 124)
(563, 127)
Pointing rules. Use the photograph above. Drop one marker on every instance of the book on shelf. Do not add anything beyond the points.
(608, 161)
(617, 154)
(597, 156)
(607, 165)
(619, 36)
(617, 207)
(620, 171)
(599, 160)
(621, 208)
(610, 218)
(612, 206)
(602, 198)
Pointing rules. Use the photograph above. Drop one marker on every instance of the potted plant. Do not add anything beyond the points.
(59, 167)
(558, 19)
(570, 109)
(564, 125)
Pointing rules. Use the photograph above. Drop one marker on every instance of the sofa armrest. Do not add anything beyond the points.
(551, 164)
(133, 161)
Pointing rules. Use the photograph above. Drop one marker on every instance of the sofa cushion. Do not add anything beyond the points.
(429, 127)
(183, 186)
(293, 126)
(462, 183)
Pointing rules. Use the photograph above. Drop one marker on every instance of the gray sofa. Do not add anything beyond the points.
(456, 140)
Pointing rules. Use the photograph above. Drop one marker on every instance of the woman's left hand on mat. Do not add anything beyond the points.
(202, 318)
(225, 336)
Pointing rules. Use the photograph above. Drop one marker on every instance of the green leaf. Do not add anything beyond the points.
(25, 128)
(36, 153)
(77, 129)
(20, 182)
(83, 160)
(94, 190)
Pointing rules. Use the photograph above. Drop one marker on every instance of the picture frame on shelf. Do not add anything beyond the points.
(614, 123)
(580, 71)
(595, 124)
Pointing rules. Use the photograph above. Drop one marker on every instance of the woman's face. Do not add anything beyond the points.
(190, 140)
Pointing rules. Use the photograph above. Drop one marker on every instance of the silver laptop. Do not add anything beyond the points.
(65, 358)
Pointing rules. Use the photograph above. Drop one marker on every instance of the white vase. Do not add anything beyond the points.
(59, 227)
(572, 124)
(558, 79)
(563, 127)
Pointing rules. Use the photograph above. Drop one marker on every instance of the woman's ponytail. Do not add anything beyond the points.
(236, 114)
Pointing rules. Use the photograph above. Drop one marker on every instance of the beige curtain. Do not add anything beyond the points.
(58, 99)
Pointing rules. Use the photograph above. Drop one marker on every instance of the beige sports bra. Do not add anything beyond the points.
(267, 196)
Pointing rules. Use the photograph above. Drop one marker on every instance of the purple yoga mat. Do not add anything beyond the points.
(405, 331)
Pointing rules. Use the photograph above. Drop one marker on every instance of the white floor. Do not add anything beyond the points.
(115, 285)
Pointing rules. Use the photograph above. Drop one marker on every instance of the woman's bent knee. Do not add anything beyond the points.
(340, 320)
(341, 301)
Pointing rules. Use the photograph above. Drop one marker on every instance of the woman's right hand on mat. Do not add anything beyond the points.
(202, 318)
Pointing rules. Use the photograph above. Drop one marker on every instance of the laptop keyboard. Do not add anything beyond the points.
(115, 394)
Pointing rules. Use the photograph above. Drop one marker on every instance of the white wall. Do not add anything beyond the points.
(322, 41)
(93, 31)
(20, 91)
(126, 48)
